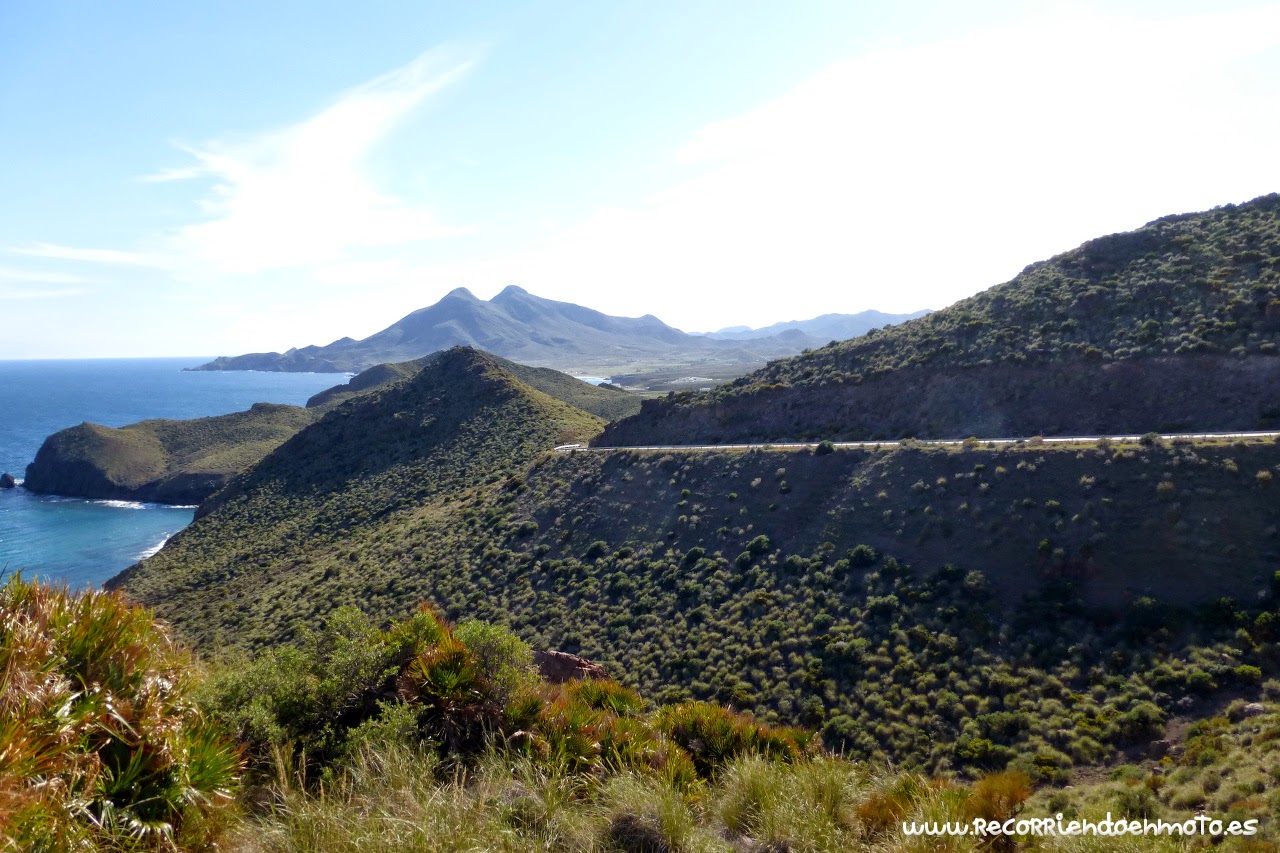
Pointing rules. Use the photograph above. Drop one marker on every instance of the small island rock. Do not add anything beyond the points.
(7, 481)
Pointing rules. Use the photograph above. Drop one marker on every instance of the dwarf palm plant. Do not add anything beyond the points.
(100, 743)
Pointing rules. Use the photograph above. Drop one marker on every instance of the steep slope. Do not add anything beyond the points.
(415, 446)
(167, 461)
(951, 583)
(1173, 326)
(518, 325)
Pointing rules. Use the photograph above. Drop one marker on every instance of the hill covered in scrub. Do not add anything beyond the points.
(608, 402)
(185, 461)
(901, 600)
(1172, 327)
(166, 461)
(412, 446)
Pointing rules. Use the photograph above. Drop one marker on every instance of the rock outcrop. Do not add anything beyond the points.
(559, 667)
(7, 481)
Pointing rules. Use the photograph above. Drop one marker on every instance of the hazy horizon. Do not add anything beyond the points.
(256, 177)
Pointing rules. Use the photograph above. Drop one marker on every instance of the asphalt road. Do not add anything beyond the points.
(1064, 439)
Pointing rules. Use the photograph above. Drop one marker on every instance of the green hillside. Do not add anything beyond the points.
(414, 447)
(887, 597)
(186, 461)
(169, 461)
(1173, 326)
(609, 403)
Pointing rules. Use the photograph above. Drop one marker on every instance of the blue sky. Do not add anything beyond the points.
(202, 179)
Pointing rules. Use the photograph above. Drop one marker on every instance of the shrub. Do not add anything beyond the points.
(1143, 721)
(712, 735)
(101, 744)
(505, 660)
(459, 704)
(863, 556)
(1137, 802)
(882, 811)
(998, 796)
(604, 695)
(1247, 674)
(309, 697)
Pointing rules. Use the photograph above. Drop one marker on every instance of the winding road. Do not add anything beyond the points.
(986, 442)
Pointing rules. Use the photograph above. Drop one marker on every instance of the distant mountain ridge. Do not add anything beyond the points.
(824, 328)
(529, 329)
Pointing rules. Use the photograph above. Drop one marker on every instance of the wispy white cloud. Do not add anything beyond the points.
(295, 196)
(910, 177)
(25, 276)
(301, 195)
(16, 292)
(56, 252)
(177, 173)
(24, 284)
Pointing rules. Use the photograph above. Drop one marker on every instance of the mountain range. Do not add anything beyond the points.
(827, 327)
(526, 328)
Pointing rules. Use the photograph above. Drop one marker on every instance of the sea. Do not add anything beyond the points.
(84, 542)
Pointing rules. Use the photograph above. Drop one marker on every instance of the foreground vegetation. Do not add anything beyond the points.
(427, 736)
(101, 743)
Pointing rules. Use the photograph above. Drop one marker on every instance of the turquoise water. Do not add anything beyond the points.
(85, 542)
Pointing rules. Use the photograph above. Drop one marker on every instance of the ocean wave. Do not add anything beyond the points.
(122, 504)
(154, 549)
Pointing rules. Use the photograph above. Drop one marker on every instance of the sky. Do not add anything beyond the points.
(219, 178)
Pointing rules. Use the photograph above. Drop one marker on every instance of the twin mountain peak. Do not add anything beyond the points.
(518, 325)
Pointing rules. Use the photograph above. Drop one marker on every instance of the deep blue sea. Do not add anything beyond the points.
(85, 542)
